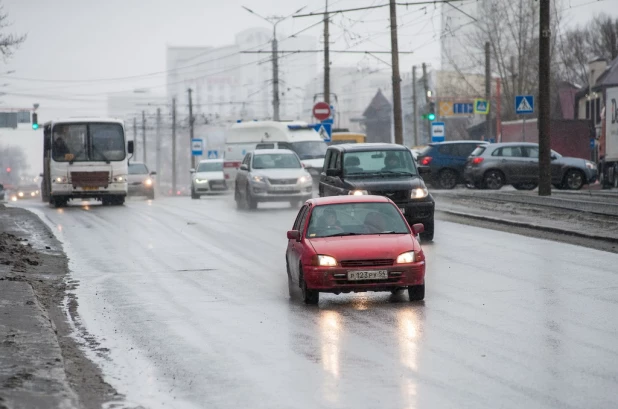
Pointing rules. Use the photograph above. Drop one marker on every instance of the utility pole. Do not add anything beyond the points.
(397, 117)
(488, 90)
(426, 86)
(544, 99)
(144, 136)
(414, 105)
(326, 57)
(158, 142)
(173, 146)
(275, 75)
(191, 120)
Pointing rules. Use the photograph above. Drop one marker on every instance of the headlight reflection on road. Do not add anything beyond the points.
(409, 334)
(330, 339)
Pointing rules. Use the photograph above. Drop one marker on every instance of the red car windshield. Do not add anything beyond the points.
(351, 219)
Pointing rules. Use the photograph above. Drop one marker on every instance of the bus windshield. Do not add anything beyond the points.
(88, 142)
(309, 149)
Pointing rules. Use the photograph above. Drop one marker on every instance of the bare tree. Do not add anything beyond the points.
(8, 42)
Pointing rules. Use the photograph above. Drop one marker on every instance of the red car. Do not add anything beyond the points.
(350, 243)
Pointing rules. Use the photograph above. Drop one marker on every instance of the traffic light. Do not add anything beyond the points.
(35, 120)
(432, 111)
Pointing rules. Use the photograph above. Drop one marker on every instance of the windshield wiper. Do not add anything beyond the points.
(94, 148)
(343, 234)
(398, 172)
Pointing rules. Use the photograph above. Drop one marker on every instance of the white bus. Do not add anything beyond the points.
(85, 158)
(297, 136)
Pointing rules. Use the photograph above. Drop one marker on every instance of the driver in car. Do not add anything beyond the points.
(391, 162)
(329, 221)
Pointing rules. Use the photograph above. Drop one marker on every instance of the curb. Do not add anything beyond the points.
(530, 226)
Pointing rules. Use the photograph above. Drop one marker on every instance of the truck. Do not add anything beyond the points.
(608, 142)
(85, 158)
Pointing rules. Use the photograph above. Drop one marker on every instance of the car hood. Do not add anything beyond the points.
(384, 184)
(565, 160)
(313, 163)
(218, 175)
(280, 173)
(366, 247)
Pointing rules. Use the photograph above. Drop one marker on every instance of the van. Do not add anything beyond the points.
(296, 136)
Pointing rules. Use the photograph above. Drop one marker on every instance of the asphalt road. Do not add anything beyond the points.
(184, 304)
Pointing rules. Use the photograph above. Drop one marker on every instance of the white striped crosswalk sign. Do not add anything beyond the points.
(524, 104)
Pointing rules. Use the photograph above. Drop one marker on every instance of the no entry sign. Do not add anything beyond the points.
(321, 111)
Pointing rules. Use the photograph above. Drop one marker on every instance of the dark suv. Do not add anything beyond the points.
(447, 161)
(379, 169)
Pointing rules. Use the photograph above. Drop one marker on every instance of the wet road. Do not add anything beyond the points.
(189, 303)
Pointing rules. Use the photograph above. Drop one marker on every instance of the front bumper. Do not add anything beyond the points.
(267, 193)
(416, 212)
(211, 186)
(334, 279)
(67, 190)
(141, 189)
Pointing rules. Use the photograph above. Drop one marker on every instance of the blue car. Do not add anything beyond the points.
(447, 161)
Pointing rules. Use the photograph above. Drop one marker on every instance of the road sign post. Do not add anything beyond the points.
(438, 133)
(197, 147)
(524, 105)
(321, 111)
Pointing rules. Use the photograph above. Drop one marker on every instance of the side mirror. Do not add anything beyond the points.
(130, 147)
(553, 157)
(244, 167)
(418, 228)
(191, 170)
(153, 173)
(333, 172)
(424, 170)
(294, 235)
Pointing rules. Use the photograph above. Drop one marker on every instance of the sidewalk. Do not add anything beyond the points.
(41, 366)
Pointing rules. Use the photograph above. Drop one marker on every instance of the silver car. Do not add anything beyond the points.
(140, 181)
(272, 175)
(495, 165)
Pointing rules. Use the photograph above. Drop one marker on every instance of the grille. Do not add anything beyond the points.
(367, 263)
(90, 179)
(394, 196)
(217, 184)
(282, 181)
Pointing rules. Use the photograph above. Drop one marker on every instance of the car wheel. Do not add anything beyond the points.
(525, 186)
(251, 202)
(58, 202)
(574, 179)
(118, 200)
(428, 233)
(447, 179)
(311, 297)
(291, 289)
(193, 194)
(416, 292)
(493, 179)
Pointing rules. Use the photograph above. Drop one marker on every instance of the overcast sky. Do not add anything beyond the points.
(72, 44)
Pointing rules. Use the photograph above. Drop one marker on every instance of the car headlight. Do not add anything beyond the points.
(20, 194)
(120, 179)
(201, 180)
(304, 179)
(148, 182)
(419, 193)
(32, 194)
(258, 179)
(591, 165)
(60, 179)
(406, 258)
(324, 261)
(358, 192)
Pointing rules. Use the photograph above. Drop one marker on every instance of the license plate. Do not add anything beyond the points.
(403, 210)
(282, 188)
(90, 188)
(367, 275)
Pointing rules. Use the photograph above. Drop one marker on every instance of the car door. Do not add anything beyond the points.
(295, 248)
(242, 175)
(332, 184)
(510, 160)
(531, 164)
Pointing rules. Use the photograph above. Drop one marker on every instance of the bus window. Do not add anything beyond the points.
(107, 142)
(69, 143)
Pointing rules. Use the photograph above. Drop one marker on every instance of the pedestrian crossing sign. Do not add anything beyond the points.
(481, 106)
(524, 104)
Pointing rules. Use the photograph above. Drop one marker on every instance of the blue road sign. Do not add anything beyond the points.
(213, 154)
(524, 104)
(325, 129)
(481, 106)
(438, 132)
(197, 147)
(592, 143)
(463, 108)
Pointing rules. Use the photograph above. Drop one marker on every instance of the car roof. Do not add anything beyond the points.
(367, 147)
(211, 160)
(497, 145)
(271, 151)
(461, 141)
(318, 201)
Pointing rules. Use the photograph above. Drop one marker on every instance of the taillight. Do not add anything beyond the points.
(477, 161)
(426, 160)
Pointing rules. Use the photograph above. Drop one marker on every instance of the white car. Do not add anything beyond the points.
(207, 178)
(272, 175)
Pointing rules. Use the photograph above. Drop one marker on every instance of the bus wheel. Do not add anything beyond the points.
(58, 202)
